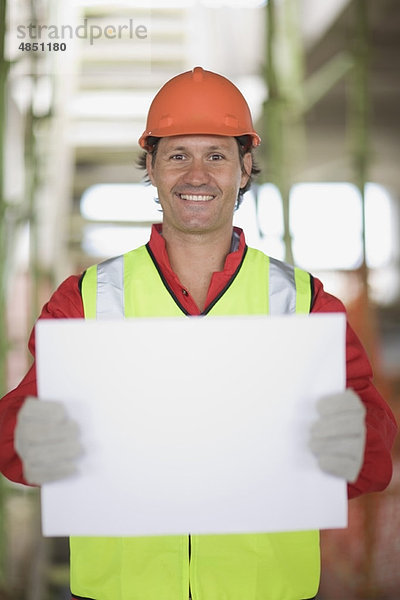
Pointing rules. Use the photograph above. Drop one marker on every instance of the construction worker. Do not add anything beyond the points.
(198, 145)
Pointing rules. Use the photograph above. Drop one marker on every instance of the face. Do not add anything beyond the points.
(198, 179)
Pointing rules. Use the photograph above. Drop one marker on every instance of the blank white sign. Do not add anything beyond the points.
(193, 425)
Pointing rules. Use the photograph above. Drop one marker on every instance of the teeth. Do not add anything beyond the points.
(196, 197)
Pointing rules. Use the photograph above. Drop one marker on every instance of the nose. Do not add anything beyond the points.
(196, 173)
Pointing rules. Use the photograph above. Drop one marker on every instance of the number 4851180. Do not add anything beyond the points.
(42, 46)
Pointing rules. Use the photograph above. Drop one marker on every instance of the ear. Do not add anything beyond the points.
(149, 167)
(248, 164)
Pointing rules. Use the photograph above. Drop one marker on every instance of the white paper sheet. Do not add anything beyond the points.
(194, 424)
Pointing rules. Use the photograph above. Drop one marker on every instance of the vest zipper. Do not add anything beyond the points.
(190, 556)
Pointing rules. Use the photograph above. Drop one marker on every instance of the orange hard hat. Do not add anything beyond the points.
(198, 102)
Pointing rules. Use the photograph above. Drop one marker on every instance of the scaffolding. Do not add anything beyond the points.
(290, 97)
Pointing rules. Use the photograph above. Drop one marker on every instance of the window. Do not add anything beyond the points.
(126, 212)
(325, 222)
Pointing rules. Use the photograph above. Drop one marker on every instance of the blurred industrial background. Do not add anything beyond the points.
(322, 78)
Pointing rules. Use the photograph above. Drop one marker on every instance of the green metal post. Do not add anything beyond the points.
(283, 110)
(274, 125)
(31, 173)
(359, 108)
(32, 176)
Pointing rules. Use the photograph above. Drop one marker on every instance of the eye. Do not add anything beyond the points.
(216, 156)
(177, 157)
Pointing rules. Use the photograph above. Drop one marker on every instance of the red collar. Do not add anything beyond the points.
(219, 280)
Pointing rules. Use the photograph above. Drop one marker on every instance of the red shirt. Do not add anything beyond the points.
(66, 302)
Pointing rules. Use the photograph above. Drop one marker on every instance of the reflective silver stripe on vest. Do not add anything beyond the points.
(282, 288)
(110, 289)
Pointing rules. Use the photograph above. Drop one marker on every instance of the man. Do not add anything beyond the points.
(198, 142)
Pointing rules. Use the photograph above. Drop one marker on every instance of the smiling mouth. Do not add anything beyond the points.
(196, 197)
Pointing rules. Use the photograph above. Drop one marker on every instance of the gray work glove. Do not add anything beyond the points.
(338, 436)
(47, 441)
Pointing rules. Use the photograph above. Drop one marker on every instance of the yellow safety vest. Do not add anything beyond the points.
(276, 566)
